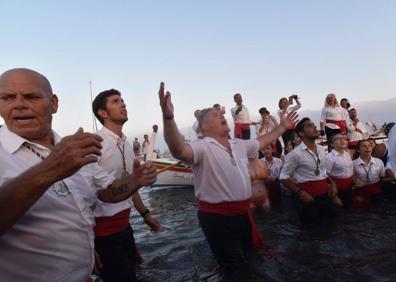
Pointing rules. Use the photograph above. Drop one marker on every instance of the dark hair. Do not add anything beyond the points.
(237, 94)
(280, 100)
(351, 109)
(300, 125)
(263, 110)
(99, 103)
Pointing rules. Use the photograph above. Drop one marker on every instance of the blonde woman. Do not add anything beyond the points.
(332, 120)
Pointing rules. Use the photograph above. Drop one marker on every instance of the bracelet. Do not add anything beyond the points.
(144, 213)
(169, 118)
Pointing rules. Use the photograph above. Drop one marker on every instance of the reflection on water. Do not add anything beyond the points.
(360, 246)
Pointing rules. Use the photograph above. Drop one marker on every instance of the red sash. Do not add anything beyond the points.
(339, 123)
(343, 183)
(234, 209)
(315, 188)
(108, 225)
(372, 189)
(238, 133)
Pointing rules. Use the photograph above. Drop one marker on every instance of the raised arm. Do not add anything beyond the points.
(66, 158)
(285, 123)
(175, 140)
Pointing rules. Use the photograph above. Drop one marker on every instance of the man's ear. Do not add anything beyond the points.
(54, 103)
(102, 113)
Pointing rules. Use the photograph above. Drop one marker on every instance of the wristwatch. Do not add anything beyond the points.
(145, 212)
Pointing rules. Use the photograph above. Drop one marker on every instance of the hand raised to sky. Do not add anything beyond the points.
(165, 102)
(289, 121)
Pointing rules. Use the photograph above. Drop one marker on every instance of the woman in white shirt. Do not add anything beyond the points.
(332, 120)
(284, 110)
(265, 126)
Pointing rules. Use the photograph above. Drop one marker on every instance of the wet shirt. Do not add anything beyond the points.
(301, 163)
(369, 173)
(115, 150)
(242, 116)
(221, 175)
(339, 165)
(332, 113)
(53, 240)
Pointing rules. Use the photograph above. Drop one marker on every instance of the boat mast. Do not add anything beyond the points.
(94, 125)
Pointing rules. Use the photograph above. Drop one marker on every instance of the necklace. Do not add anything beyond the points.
(60, 188)
(367, 171)
(122, 151)
(317, 162)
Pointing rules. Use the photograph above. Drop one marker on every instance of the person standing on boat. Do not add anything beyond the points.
(221, 180)
(332, 119)
(114, 241)
(304, 173)
(136, 147)
(285, 109)
(339, 168)
(240, 114)
(46, 202)
(145, 145)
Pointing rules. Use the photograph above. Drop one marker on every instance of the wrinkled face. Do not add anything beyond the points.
(116, 111)
(268, 151)
(265, 118)
(352, 114)
(214, 124)
(27, 104)
(365, 149)
(340, 142)
(238, 99)
(284, 103)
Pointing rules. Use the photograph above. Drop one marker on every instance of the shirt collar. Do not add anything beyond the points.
(214, 141)
(12, 142)
(112, 135)
(335, 153)
(363, 163)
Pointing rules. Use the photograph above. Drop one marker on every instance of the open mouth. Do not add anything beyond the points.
(23, 118)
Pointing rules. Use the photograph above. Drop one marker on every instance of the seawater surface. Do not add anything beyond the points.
(360, 246)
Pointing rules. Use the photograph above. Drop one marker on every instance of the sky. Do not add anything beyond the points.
(205, 52)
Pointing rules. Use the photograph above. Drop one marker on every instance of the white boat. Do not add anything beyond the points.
(173, 173)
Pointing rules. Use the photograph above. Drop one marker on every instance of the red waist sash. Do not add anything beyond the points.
(238, 129)
(340, 123)
(315, 188)
(372, 189)
(234, 209)
(108, 225)
(343, 183)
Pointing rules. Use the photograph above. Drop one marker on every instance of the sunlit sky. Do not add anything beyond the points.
(205, 51)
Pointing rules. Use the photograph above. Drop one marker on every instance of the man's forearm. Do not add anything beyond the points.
(173, 137)
(267, 139)
(120, 190)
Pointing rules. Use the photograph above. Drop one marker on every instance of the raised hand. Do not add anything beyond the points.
(73, 152)
(144, 174)
(289, 121)
(165, 102)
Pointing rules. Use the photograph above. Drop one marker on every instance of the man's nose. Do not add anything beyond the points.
(20, 102)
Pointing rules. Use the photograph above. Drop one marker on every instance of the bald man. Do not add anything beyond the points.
(49, 185)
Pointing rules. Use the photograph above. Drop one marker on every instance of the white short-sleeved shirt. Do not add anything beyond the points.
(284, 113)
(369, 173)
(332, 113)
(300, 164)
(353, 135)
(339, 165)
(53, 240)
(392, 149)
(113, 148)
(274, 167)
(242, 116)
(216, 178)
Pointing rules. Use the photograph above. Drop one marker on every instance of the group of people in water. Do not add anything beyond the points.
(63, 198)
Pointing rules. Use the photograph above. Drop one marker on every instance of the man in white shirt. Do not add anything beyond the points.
(46, 203)
(356, 129)
(304, 173)
(114, 239)
(240, 114)
(221, 180)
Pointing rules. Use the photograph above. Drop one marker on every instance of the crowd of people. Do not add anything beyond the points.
(65, 202)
